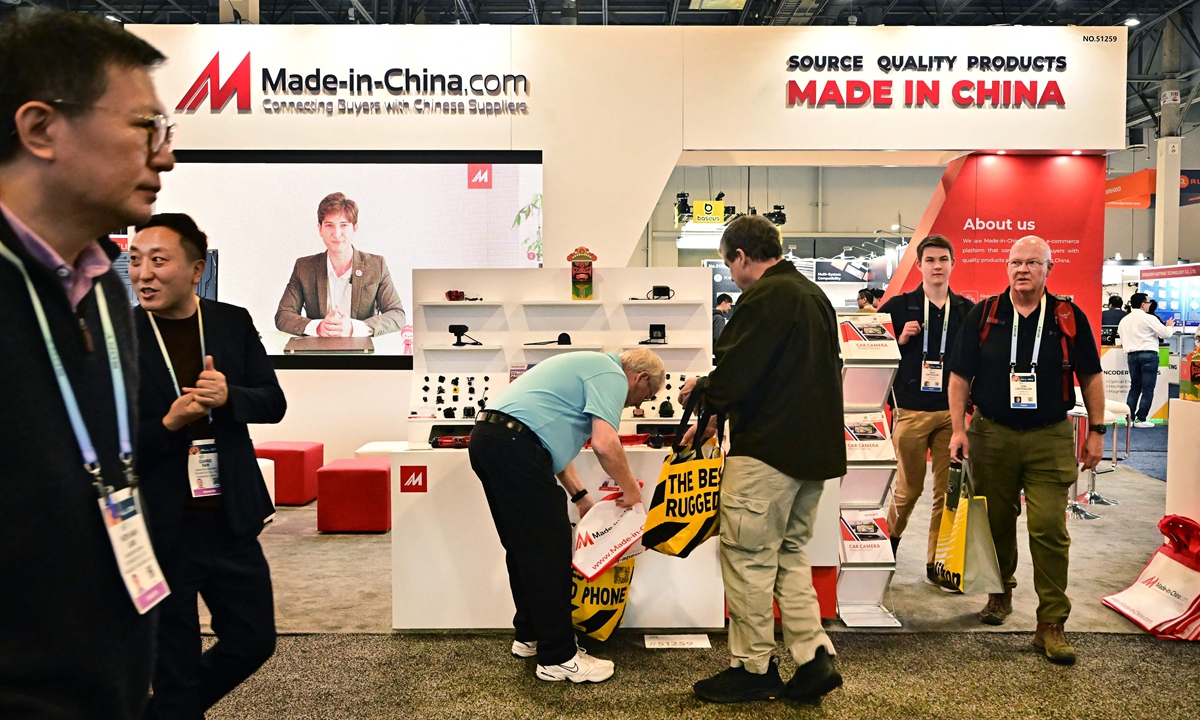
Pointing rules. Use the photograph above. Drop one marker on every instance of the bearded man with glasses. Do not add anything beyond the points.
(1015, 359)
(83, 143)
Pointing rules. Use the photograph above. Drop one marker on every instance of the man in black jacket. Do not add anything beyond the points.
(205, 375)
(778, 378)
(83, 142)
(927, 321)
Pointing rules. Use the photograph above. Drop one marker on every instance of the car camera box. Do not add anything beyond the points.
(865, 538)
(867, 438)
(867, 337)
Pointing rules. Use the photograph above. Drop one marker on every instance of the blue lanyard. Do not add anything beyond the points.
(91, 462)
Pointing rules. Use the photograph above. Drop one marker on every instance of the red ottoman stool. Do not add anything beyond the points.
(355, 496)
(296, 465)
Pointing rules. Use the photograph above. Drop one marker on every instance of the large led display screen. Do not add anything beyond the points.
(320, 247)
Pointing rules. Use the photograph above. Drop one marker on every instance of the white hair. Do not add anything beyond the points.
(643, 360)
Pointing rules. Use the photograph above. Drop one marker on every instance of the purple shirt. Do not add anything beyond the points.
(77, 281)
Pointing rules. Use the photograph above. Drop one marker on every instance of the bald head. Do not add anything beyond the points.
(1030, 246)
(1029, 264)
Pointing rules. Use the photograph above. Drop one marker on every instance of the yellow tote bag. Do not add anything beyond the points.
(685, 508)
(597, 607)
(965, 559)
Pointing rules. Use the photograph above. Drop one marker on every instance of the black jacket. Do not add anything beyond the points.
(911, 306)
(778, 377)
(72, 645)
(254, 397)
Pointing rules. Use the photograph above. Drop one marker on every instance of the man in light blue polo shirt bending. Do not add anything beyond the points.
(520, 446)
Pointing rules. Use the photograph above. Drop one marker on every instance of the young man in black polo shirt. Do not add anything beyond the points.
(1020, 438)
(927, 321)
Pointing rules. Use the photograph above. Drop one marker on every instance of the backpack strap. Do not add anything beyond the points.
(1064, 314)
(988, 319)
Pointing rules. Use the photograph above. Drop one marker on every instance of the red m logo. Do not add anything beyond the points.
(479, 176)
(210, 81)
(1150, 582)
(583, 541)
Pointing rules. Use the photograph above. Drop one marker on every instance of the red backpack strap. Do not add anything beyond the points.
(1064, 314)
(988, 318)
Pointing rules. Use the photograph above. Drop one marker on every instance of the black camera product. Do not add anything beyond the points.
(563, 339)
(459, 332)
(450, 412)
(468, 412)
(666, 409)
(655, 441)
(658, 335)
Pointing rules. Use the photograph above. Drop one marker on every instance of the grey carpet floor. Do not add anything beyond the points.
(342, 583)
(922, 675)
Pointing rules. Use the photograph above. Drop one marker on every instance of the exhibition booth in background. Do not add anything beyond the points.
(479, 153)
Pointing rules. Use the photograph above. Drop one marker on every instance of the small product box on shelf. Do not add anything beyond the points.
(865, 538)
(868, 438)
(867, 337)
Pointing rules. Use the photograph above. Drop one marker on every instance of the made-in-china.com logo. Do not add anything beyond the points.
(414, 478)
(1150, 581)
(208, 85)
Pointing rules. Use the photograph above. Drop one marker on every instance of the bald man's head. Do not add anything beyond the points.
(1029, 264)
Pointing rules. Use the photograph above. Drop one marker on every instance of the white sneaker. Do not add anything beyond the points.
(1143, 424)
(581, 668)
(524, 649)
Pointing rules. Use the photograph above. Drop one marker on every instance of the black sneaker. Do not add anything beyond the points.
(814, 678)
(737, 684)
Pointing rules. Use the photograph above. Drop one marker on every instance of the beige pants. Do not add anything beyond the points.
(766, 520)
(917, 432)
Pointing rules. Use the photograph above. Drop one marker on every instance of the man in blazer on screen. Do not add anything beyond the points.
(341, 292)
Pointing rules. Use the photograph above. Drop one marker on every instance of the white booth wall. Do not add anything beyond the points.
(614, 110)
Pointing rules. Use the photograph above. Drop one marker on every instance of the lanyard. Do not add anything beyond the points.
(945, 329)
(91, 461)
(1037, 343)
(163, 346)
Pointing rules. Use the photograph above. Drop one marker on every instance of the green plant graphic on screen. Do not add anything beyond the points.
(531, 214)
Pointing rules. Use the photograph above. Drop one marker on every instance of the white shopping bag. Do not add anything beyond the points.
(607, 535)
(1164, 600)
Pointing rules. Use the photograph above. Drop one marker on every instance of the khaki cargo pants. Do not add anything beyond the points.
(1042, 463)
(766, 520)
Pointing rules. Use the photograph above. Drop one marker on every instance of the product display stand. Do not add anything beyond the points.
(870, 358)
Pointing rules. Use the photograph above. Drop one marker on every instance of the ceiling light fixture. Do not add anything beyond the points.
(1132, 22)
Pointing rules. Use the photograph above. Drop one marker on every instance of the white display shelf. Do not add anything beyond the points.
(662, 302)
(668, 346)
(459, 303)
(561, 348)
(562, 303)
(475, 348)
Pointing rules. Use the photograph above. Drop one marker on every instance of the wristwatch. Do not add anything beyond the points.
(579, 496)
(1101, 429)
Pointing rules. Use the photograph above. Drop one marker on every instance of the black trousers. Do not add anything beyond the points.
(234, 579)
(530, 511)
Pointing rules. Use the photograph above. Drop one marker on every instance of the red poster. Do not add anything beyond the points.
(991, 201)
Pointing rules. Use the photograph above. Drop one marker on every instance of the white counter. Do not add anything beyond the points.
(448, 568)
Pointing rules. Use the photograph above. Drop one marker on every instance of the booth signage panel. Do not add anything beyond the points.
(903, 88)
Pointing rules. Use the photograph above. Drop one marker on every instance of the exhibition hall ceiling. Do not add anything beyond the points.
(1146, 20)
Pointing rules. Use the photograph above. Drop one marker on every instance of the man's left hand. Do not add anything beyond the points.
(584, 505)
(686, 391)
(211, 389)
(1093, 450)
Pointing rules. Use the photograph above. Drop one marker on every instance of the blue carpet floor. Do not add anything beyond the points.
(1147, 450)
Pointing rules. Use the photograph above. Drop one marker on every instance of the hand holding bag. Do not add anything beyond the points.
(685, 508)
(966, 555)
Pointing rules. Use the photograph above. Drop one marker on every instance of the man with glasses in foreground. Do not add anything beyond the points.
(82, 146)
(1014, 360)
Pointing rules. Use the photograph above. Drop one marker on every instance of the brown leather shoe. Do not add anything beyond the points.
(1051, 638)
(998, 608)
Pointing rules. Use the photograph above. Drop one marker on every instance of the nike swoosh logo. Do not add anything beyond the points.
(570, 668)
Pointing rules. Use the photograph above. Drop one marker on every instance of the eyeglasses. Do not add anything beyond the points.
(1031, 264)
(159, 134)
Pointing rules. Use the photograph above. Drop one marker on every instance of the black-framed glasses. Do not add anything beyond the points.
(159, 133)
